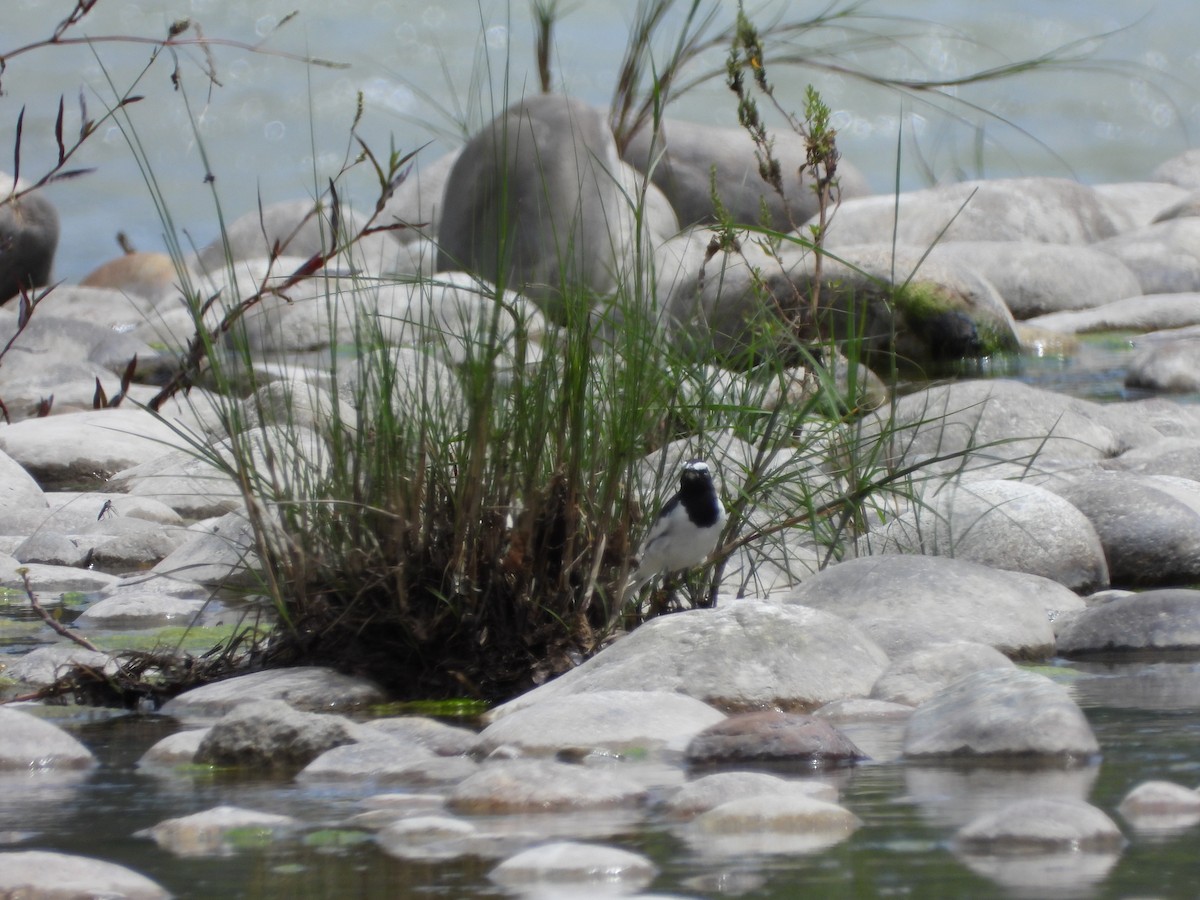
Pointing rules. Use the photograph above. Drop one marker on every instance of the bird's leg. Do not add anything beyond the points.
(669, 600)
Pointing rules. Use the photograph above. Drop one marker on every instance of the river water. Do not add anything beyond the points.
(277, 129)
(904, 849)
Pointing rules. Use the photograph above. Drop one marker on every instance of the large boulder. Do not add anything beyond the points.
(142, 279)
(710, 791)
(42, 874)
(1040, 825)
(1137, 312)
(269, 734)
(29, 236)
(1133, 204)
(68, 332)
(747, 655)
(217, 552)
(1146, 623)
(1036, 278)
(45, 665)
(914, 678)
(381, 759)
(768, 823)
(916, 313)
(28, 743)
(302, 229)
(182, 480)
(1168, 361)
(1178, 457)
(606, 721)
(18, 490)
(1149, 525)
(773, 737)
(1010, 525)
(1041, 846)
(1001, 713)
(1165, 256)
(908, 602)
(106, 307)
(1046, 210)
(682, 156)
(535, 202)
(1182, 170)
(416, 202)
(310, 688)
(967, 426)
(543, 785)
(1161, 806)
(83, 447)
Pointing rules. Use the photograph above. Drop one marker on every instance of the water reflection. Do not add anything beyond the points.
(38, 800)
(1161, 686)
(952, 796)
(1062, 875)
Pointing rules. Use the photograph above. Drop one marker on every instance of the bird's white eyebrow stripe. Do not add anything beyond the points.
(696, 465)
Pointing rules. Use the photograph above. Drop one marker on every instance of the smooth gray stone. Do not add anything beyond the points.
(1137, 312)
(1043, 825)
(764, 824)
(1164, 256)
(914, 678)
(542, 181)
(1168, 361)
(1012, 525)
(748, 654)
(1001, 714)
(42, 874)
(775, 737)
(75, 448)
(1038, 278)
(1149, 525)
(613, 721)
(1046, 210)
(214, 832)
(569, 864)
(710, 791)
(269, 734)
(905, 603)
(542, 785)
(1159, 620)
(311, 688)
(29, 743)
(29, 235)
(684, 155)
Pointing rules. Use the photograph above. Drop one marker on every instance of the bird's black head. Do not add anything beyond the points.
(695, 474)
(698, 494)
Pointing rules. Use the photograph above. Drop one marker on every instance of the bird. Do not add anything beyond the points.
(686, 530)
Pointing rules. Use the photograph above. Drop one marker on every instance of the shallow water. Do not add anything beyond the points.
(904, 848)
(278, 130)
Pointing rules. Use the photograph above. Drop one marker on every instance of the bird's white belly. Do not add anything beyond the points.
(680, 546)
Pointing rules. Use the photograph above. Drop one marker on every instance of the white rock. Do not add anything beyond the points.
(27, 742)
(575, 864)
(218, 831)
(38, 874)
(617, 721)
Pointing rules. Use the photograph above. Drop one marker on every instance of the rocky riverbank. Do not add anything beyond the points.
(1031, 507)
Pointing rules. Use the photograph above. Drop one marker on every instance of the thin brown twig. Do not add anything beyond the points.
(58, 627)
